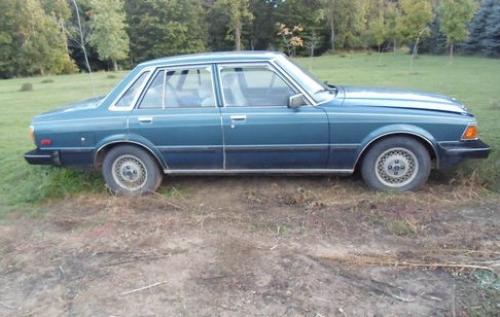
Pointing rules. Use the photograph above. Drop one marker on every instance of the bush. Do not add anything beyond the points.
(26, 87)
(47, 81)
(111, 76)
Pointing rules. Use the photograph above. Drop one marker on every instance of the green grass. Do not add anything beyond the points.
(475, 81)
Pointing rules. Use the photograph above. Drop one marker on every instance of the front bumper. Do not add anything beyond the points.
(43, 157)
(452, 153)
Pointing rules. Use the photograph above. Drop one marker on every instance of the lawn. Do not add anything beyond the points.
(475, 81)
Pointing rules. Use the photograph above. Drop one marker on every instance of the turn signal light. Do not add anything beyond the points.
(470, 133)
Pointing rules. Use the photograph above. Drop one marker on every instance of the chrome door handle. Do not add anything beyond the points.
(238, 117)
(145, 119)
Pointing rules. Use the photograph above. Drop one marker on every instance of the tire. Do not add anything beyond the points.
(129, 170)
(396, 164)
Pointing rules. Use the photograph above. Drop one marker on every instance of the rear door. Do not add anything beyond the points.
(178, 114)
(260, 131)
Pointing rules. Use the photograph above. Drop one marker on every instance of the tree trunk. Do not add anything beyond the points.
(115, 66)
(237, 35)
(332, 34)
(452, 48)
(394, 45)
(415, 48)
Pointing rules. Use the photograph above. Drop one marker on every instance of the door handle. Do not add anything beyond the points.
(145, 119)
(238, 117)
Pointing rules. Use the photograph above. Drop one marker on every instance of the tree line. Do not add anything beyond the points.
(63, 36)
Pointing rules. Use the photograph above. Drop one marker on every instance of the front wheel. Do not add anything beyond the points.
(129, 170)
(396, 164)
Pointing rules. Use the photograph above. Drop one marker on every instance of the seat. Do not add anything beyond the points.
(233, 94)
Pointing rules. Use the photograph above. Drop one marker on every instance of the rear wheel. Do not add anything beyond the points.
(397, 164)
(131, 171)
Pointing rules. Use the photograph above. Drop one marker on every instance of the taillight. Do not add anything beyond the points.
(45, 142)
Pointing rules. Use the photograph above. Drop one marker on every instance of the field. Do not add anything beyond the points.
(253, 246)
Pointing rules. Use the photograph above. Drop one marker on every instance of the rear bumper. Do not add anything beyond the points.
(453, 153)
(43, 157)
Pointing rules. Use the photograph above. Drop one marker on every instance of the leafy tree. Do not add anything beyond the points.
(416, 15)
(108, 36)
(455, 16)
(165, 27)
(238, 12)
(376, 29)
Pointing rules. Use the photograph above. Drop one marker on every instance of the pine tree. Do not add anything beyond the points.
(491, 41)
(477, 28)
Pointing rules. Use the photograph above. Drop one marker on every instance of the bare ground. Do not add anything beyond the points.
(245, 246)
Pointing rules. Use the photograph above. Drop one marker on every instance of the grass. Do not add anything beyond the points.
(475, 81)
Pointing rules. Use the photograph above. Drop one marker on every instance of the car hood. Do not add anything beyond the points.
(84, 105)
(400, 98)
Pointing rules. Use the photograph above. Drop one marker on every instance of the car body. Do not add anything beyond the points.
(254, 112)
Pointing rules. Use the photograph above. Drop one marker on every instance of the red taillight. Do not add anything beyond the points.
(45, 142)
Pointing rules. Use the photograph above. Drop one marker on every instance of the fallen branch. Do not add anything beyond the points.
(143, 288)
(360, 260)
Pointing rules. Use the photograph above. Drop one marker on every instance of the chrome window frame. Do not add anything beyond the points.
(113, 106)
(167, 69)
(269, 65)
(153, 69)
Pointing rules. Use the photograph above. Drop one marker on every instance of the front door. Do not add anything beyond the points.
(260, 130)
(178, 114)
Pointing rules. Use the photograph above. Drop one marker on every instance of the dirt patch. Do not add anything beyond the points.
(248, 246)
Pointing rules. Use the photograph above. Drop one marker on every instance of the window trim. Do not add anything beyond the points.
(167, 69)
(114, 107)
(267, 64)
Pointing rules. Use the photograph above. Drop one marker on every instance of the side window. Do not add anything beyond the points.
(256, 86)
(177, 88)
(129, 96)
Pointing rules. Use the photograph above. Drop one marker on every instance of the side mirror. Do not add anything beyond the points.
(296, 101)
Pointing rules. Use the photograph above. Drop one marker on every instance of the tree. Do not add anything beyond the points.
(238, 12)
(491, 41)
(329, 8)
(165, 27)
(108, 36)
(416, 15)
(376, 29)
(455, 16)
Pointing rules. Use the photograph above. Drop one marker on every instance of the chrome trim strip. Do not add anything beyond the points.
(38, 155)
(344, 146)
(68, 148)
(260, 171)
(265, 147)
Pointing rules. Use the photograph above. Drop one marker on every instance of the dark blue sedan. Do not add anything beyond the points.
(234, 113)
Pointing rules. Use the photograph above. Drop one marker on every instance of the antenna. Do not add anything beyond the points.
(82, 44)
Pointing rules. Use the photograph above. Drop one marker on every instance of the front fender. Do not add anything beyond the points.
(397, 129)
(130, 138)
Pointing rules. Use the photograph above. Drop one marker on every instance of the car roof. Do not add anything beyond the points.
(213, 57)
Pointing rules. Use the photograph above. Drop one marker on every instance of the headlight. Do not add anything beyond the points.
(32, 133)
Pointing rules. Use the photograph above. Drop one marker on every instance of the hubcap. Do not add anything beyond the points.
(396, 167)
(129, 172)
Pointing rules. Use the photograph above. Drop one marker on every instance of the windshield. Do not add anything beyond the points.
(318, 90)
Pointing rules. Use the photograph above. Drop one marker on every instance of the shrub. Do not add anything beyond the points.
(26, 87)
(47, 81)
(111, 76)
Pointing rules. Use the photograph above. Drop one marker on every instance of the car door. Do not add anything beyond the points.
(260, 130)
(178, 114)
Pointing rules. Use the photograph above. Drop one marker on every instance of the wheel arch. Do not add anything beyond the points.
(103, 149)
(424, 140)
